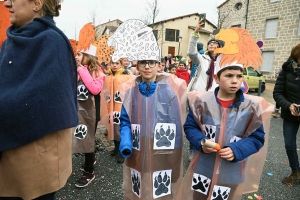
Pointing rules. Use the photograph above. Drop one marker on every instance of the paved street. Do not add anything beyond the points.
(108, 182)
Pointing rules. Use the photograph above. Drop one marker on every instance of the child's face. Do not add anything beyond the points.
(80, 59)
(173, 70)
(181, 66)
(148, 70)
(230, 81)
(114, 66)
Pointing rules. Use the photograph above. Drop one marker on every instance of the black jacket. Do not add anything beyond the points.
(287, 90)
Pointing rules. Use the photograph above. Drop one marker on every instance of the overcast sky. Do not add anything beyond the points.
(75, 13)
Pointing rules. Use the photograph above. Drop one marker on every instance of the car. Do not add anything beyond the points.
(252, 78)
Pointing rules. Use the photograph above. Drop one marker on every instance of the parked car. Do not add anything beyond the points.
(252, 77)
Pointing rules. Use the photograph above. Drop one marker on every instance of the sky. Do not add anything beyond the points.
(75, 13)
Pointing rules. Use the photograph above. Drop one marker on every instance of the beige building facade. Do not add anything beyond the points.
(275, 22)
(175, 32)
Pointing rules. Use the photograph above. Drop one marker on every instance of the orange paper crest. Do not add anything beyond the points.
(103, 51)
(73, 44)
(86, 37)
(240, 47)
(4, 22)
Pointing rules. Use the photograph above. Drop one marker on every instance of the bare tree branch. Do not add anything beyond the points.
(152, 11)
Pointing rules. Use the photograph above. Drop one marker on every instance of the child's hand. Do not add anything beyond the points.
(208, 149)
(227, 154)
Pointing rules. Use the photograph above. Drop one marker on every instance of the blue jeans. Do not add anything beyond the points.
(290, 129)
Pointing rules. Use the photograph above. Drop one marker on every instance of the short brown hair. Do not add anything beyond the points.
(295, 53)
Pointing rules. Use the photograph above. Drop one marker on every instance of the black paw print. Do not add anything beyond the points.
(209, 132)
(136, 184)
(106, 96)
(161, 184)
(136, 138)
(117, 97)
(164, 137)
(116, 118)
(82, 93)
(199, 185)
(81, 131)
(219, 196)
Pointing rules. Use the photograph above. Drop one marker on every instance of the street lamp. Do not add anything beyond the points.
(179, 40)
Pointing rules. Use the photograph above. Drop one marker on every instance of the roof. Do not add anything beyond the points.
(110, 28)
(109, 22)
(201, 30)
(222, 4)
(197, 14)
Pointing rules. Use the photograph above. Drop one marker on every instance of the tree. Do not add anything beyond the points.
(151, 17)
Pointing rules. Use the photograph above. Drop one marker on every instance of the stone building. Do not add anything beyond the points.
(275, 22)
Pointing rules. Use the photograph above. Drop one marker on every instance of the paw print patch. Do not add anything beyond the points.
(106, 96)
(135, 128)
(235, 139)
(81, 131)
(220, 193)
(116, 117)
(82, 93)
(117, 97)
(164, 136)
(210, 131)
(136, 182)
(200, 183)
(161, 183)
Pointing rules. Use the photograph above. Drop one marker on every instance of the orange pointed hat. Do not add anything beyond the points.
(240, 49)
(87, 36)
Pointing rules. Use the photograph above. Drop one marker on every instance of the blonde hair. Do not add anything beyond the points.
(50, 7)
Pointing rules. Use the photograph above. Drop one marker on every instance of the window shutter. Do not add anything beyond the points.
(271, 28)
(176, 36)
(167, 35)
(268, 61)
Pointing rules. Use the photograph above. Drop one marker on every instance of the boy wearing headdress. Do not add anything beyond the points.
(151, 125)
(237, 123)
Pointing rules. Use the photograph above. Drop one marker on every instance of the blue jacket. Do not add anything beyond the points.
(241, 149)
(38, 83)
(126, 139)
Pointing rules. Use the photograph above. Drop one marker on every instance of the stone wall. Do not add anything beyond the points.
(230, 16)
(287, 12)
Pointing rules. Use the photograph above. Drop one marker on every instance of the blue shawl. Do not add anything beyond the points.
(38, 80)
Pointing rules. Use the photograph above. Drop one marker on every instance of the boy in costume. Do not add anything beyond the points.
(151, 124)
(237, 122)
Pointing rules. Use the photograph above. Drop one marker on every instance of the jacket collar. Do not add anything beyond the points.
(238, 100)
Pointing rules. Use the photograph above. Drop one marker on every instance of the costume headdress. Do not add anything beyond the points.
(86, 38)
(134, 40)
(240, 49)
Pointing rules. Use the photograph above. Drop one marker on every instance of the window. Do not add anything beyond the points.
(268, 61)
(271, 28)
(273, 1)
(155, 32)
(238, 6)
(172, 35)
(238, 26)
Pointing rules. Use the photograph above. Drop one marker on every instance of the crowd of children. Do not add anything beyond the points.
(141, 99)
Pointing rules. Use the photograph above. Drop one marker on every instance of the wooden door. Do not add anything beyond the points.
(171, 50)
